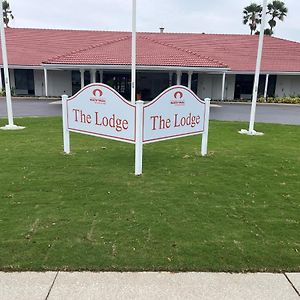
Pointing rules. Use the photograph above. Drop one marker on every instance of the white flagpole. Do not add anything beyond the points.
(251, 130)
(133, 54)
(10, 125)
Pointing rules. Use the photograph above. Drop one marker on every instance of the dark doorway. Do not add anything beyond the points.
(120, 82)
(195, 83)
(271, 85)
(244, 86)
(87, 78)
(24, 82)
(76, 82)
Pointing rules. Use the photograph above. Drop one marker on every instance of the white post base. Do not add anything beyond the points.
(139, 140)
(253, 132)
(12, 127)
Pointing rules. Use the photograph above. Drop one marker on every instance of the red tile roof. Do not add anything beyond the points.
(32, 47)
(149, 53)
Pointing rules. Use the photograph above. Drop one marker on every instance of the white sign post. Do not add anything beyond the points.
(100, 111)
(139, 139)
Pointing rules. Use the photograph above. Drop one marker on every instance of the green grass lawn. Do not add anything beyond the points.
(238, 209)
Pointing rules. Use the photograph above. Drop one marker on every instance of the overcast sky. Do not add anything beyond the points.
(209, 16)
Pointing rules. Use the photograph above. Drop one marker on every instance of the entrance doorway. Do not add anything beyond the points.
(24, 82)
(120, 82)
(244, 86)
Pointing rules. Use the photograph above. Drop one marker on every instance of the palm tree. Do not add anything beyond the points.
(277, 10)
(252, 16)
(7, 13)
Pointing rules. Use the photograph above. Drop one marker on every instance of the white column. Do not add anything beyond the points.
(223, 86)
(170, 79)
(178, 77)
(93, 76)
(11, 74)
(266, 87)
(46, 82)
(101, 76)
(139, 138)
(1, 85)
(190, 74)
(82, 78)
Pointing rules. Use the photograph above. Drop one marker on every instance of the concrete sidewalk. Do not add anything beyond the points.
(150, 285)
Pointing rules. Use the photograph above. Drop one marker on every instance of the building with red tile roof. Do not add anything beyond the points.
(220, 66)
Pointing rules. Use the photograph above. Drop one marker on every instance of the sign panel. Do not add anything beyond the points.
(175, 113)
(99, 110)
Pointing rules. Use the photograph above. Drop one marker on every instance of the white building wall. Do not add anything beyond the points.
(204, 86)
(59, 83)
(39, 83)
(287, 85)
(229, 87)
(216, 93)
(210, 86)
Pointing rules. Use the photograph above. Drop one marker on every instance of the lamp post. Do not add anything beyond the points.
(11, 125)
(251, 130)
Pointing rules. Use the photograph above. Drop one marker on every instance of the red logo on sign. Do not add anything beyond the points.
(178, 99)
(99, 92)
(97, 99)
(178, 95)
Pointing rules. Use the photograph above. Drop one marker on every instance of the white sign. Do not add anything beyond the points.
(99, 110)
(175, 113)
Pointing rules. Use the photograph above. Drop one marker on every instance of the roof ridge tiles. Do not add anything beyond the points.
(92, 46)
(67, 29)
(185, 50)
(129, 32)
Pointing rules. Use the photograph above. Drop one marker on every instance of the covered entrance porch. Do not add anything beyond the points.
(151, 81)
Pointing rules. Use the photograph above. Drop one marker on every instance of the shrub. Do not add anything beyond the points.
(287, 100)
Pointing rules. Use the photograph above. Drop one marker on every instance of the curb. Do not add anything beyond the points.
(249, 103)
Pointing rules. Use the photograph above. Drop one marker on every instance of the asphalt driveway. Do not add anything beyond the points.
(268, 113)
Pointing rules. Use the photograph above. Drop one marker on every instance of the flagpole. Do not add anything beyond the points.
(10, 125)
(133, 54)
(251, 130)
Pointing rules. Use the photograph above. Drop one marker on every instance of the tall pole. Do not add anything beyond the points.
(133, 54)
(251, 130)
(6, 74)
(10, 117)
